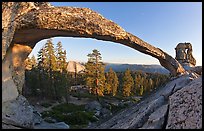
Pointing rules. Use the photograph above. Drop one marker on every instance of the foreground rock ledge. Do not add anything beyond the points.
(177, 108)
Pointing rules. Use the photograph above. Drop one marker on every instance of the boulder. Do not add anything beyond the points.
(45, 125)
(37, 119)
(105, 112)
(152, 112)
(18, 112)
(93, 106)
(185, 107)
(177, 84)
(49, 120)
(156, 119)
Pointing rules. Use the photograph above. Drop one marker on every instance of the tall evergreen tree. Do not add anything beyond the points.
(141, 90)
(42, 60)
(137, 83)
(128, 83)
(42, 71)
(112, 82)
(52, 66)
(50, 53)
(95, 77)
(150, 84)
(46, 80)
(64, 61)
(61, 57)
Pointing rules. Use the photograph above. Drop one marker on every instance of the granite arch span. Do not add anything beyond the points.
(26, 23)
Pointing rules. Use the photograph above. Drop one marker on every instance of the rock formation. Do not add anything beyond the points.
(183, 57)
(74, 66)
(177, 105)
(26, 23)
(185, 111)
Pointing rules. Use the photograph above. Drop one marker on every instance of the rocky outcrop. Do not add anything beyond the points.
(73, 66)
(17, 113)
(185, 110)
(45, 125)
(157, 110)
(185, 57)
(156, 119)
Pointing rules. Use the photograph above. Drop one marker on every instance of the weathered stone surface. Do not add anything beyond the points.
(197, 69)
(185, 110)
(5, 126)
(156, 119)
(9, 89)
(83, 22)
(177, 84)
(18, 112)
(137, 115)
(94, 106)
(45, 125)
(74, 66)
(105, 112)
(134, 117)
(37, 119)
(185, 58)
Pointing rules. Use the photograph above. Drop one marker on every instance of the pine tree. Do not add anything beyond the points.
(112, 82)
(138, 82)
(52, 66)
(50, 53)
(141, 90)
(50, 82)
(150, 84)
(42, 59)
(64, 61)
(144, 82)
(61, 57)
(43, 83)
(128, 83)
(95, 77)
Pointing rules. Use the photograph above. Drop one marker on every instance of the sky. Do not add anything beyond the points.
(161, 24)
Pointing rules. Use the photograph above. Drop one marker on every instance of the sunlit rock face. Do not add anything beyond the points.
(184, 55)
(74, 66)
(26, 23)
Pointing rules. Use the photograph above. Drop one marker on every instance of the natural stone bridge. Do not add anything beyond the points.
(26, 23)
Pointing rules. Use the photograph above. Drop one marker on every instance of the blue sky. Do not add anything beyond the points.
(162, 24)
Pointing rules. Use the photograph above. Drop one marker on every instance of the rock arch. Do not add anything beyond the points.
(26, 23)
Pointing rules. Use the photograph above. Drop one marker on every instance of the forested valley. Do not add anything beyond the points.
(86, 96)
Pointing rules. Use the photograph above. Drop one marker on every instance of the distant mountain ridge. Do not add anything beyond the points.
(121, 67)
(136, 67)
